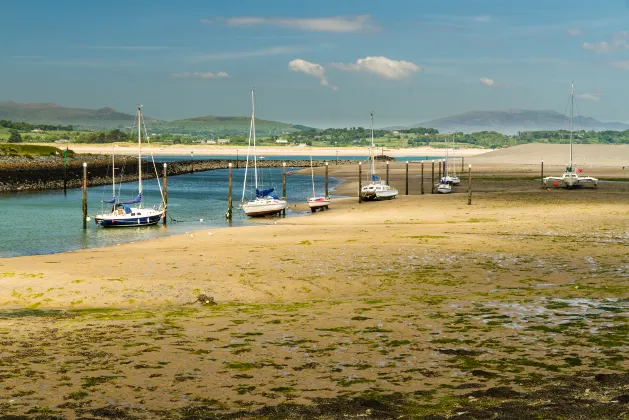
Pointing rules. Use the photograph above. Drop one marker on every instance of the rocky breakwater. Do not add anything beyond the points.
(46, 172)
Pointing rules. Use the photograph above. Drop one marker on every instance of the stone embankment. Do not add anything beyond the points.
(46, 172)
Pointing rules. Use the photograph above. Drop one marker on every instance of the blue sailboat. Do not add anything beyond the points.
(131, 213)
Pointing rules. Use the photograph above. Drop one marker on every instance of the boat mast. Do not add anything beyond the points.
(571, 117)
(445, 167)
(139, 151)
(373, 162)
(312, 175)
(113, 173)
(253, 129)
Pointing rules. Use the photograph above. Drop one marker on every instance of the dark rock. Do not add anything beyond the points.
(612, 378)
(497, 392)
(206, 300)
(622, 399)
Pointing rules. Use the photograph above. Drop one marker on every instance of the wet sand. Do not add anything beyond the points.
(513, 307)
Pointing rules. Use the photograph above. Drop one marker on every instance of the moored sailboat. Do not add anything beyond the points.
(122, 213)
(571, 177)
(266, 202)
(316, 202)
(377, 189)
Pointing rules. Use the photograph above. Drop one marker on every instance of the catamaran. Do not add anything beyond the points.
(266, 201)
(571, 177)
(122, 214)
(377, 189)
(316, 201)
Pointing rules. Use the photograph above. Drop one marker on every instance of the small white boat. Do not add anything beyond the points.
(571, 177)
(377, 189)
(316, 202)
(444, 188)
(264, 207)
(266, 202)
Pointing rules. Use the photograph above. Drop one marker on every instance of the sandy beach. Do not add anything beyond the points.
(420, 307)
(199, 150)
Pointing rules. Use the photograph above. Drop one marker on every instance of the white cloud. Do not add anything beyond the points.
(312, 69)
(574, 32)
(590, 97)
(619, 41)
(201, 75)
(620, 64)
(233, 55)
(341, 24)
(487, 82)
(382, 66)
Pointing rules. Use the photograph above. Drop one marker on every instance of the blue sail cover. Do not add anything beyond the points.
(112, 201)
(266, 193)
(374, 177)
(137, 200)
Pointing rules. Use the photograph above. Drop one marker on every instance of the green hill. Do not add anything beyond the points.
(48, 113)
(221, 126)
(108, 118)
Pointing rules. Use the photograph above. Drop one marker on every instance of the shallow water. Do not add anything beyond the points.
(50, 222)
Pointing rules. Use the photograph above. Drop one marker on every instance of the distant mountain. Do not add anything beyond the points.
(108, 118)
(514, 120)
(48, 113)
(223, 126)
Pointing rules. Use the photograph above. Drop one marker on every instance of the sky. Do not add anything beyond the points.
(319, 63)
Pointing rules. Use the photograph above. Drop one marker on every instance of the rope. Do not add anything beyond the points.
(159, 184)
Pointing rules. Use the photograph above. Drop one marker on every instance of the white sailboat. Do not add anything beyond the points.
(454, 179)
(445, 183)
(571, 177)
(122, 214)
(265, 201)
(316, 202)
(377, 189)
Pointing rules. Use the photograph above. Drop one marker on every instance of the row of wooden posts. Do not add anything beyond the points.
(229, 213)
(442, 165)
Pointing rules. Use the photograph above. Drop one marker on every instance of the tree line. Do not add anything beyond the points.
(24, 126)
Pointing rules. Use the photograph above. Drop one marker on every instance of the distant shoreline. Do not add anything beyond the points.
(201, 149)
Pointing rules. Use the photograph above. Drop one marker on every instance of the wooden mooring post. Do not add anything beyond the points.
(284, 185)
(432, 179)
(228, 214)
(439, 178)
(469, 186)
(387, 180)
(542, 173)
(65, 170)
(165, 222)
(462, 163)
(360, 182)
(192, 162)
(84, 195)
(406, 177)
(326, 180)
(422, 179)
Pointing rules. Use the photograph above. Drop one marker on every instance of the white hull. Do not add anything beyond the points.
(570, 180)
(264, 207)
(318, 202)
(387, 194)
(444, 188)
(378, 190)
(133, 217)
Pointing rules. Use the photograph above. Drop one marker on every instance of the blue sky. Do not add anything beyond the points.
(323, 63)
